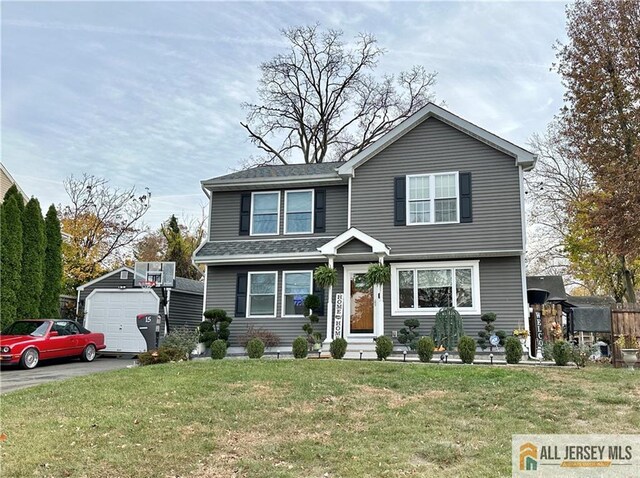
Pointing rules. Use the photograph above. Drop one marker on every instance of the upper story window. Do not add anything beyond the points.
(432, 198)
(265, 211)
(298, 211)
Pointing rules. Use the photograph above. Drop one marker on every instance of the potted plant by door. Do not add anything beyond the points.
(628, 346)
(522, 335)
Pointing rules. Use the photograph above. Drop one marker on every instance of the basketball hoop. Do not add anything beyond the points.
(147, 284)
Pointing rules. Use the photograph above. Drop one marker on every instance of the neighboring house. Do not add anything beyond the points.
(437, 198)
(110, 304)
(6, 181)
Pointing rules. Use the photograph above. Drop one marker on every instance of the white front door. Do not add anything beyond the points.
(359, 305)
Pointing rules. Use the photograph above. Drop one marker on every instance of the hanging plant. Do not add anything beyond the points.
(325, 276)
(377, 274)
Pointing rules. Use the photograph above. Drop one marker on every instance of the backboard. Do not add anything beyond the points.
(154, 274)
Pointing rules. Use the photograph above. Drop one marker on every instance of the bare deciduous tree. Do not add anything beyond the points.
(321, 102)
(103, 221)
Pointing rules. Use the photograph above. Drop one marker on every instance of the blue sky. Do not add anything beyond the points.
(148, 94)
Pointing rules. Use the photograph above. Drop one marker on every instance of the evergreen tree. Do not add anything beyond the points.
(33, 247)
(50, 297)
(11, 258)
(13, 192)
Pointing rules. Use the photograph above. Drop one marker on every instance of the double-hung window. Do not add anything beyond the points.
(298, 210)
(432, 198)
(426, 288)
(261, 297)
(296, 286)
(265, 211)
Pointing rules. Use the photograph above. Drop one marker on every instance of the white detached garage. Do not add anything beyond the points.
(110, 304)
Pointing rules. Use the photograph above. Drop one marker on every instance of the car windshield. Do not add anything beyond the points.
(36, 328)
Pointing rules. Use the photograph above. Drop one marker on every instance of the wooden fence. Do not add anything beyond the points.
(625, 320)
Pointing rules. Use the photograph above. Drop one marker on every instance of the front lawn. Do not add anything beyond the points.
(305, 418)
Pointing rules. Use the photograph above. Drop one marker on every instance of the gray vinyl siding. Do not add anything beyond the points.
(354, 246)
(185, 309)
(225, 214)
(500, 292)
(434, 147)
(221, 293)
(111, 282)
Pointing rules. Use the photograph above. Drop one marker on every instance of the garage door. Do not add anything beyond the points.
(113, 313)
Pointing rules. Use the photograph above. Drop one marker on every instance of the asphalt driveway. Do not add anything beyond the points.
(13, 378)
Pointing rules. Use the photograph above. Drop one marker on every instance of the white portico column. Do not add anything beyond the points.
(380, 305)
(329, 314)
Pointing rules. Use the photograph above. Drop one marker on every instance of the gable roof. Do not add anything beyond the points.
(104, 276)
(523, 158)
(181, 284)
(331, 247)
(7, 181)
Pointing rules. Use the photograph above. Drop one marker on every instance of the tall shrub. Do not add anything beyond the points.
(13, 192)
(33, 247)
(448, 328)
(52, 282)
(10, 259)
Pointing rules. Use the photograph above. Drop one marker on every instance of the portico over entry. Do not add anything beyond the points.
(363, 307)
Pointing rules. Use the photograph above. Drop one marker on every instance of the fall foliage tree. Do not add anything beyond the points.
(103, 222)
(10, 258)
(319, 100)
(52, 288)
(600, 68)
(33, 249)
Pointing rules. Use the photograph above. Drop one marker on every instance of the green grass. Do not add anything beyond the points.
(304, 418)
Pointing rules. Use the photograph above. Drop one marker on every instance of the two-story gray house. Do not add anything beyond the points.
(438, 198)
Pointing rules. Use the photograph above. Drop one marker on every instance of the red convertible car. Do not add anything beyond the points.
(28, 341)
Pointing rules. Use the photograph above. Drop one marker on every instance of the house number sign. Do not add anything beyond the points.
(337, 317)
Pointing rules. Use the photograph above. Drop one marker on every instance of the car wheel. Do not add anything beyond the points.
(89, 353)
(29, 358)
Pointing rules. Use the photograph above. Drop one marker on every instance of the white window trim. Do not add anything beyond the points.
(275, 296)
(253, 195)
(475, 287)
(284, 281)
(313, 205)
(124, 275)
(432, 198)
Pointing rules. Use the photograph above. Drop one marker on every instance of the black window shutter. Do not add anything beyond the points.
(400, 201)
(245, 213)
(241, 295)
(320, 210)
(317, 291)
(465, 198)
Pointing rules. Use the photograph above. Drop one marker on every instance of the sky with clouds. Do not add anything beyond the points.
(149, 93)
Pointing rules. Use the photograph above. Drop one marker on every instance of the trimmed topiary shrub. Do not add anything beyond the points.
(408, 335)
(384, 347)
(466, 349)
(338, 348)
(220, 322)
(562, 351)
(425, 347)
(513, 350)
(299, 348)
(218, 349)
(255, 348)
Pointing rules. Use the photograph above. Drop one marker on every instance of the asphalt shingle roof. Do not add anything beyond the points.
(281, 171)
(241, 248)
(553, 284)
(189, 285)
